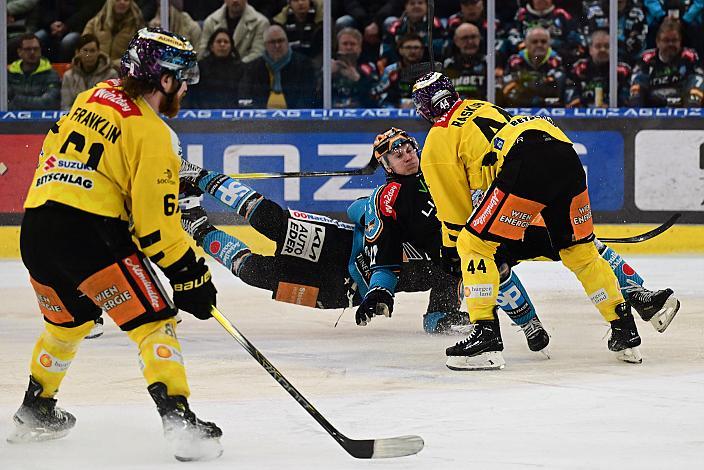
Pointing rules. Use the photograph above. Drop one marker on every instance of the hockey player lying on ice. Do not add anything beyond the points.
(340, 247)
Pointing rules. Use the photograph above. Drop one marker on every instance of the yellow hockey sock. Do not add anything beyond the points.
(480, 275)
(596, 276)
(160, 355)
(53, 353)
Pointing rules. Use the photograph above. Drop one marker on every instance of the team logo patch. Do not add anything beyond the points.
(599, 296)
(214, 247)
(387, 198)
(115, 99)
(479, 291)
(304, 240)
(487, 209)
(167, 353)
(52, 363)
(498, 143)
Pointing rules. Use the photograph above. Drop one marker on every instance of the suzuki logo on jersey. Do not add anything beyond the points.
(387, 197)
(304, 240)
(115, 99)
(50, 163)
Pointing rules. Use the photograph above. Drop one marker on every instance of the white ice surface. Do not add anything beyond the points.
(582, 409)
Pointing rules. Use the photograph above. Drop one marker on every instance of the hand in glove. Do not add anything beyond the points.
(451, 262)
(193, 288)
(378, 301)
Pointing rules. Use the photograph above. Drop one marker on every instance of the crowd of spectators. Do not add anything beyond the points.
(269, 53)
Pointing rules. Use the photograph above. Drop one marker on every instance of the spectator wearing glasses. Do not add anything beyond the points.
(281, 78)
(352, 78)
(535, 76)
(393, 91)
(32, 82)
(587, 83)
(245, 24)
(669, 75)
(466, 68)
(89, 67)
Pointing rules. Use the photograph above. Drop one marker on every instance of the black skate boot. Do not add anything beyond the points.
(97, 330)
(39, 419)
(189, 438)
(447, 323)
(481, 350)
(194, 221)
(624, 339)
(536, 336)
(658, 307)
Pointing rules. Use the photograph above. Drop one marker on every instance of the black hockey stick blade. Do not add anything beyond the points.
(369, 169)
(644, 236)
(361, 449)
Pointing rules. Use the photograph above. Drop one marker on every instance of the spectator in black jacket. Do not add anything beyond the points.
(220, 75)
(281, 78)
(372, 17)
(303, 22)
(59, 24)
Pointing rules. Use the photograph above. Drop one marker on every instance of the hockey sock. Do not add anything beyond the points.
(514, 300)
(231, 192)
(226, 249)
(596, 276)
(53, 353)
(627, 277)
(160, 355)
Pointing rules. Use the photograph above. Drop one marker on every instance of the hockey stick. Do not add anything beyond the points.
(644, 236)
(369, 169)
(360, 449)
(431, 23)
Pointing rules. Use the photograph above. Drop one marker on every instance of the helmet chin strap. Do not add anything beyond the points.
(169, 96)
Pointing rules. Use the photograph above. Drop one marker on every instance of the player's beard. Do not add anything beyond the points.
(170, 107)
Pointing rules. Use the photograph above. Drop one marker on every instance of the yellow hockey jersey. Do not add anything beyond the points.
(464, 151)
(115, 157)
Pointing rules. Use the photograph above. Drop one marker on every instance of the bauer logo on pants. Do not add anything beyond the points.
(304, 240)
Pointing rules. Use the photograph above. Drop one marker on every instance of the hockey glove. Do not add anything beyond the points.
(451, 262)
(193, 288)
(378, 301)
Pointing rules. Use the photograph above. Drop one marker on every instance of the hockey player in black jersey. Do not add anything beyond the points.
(318, 260)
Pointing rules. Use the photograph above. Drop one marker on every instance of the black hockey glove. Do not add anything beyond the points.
(378, 301)
(193, 288)
(451, 262)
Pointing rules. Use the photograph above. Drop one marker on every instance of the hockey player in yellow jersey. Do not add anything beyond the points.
(528, 169)
(103, 199)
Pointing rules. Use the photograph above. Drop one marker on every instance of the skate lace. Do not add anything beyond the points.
(639, 292)
(532, 328)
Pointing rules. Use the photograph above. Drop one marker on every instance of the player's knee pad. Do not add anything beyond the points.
(160, 355)
(596, 276)
(480, 275)
(53, 353)
(514, 300)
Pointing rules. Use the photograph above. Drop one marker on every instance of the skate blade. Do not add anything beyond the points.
(487, 361)
(630, 355)
(664, 317)
(545, 352)
(25, 436)
(96, 332)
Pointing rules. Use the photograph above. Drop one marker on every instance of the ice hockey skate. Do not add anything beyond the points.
(481, 350)
(455, 322)
(39, 419)
(536, 336)
(658, 307)
(189, 438)
(97, 330)
(624, 339)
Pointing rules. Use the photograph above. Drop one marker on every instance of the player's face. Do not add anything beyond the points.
(167, 107)
(403, 160)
